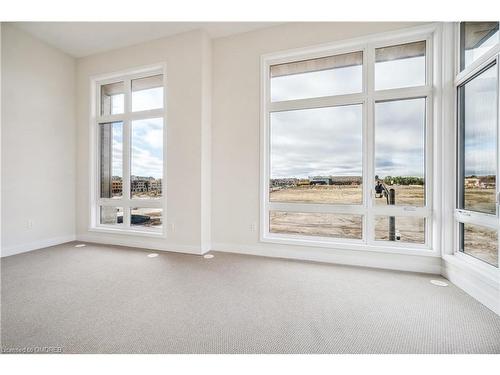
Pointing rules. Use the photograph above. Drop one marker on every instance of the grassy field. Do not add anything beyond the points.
(478, 242)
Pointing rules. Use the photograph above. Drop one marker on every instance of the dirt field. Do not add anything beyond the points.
(313, 224)
(344, 226)
(481, 243)
(480, 200)
(319, 194)
(405, 195)
(478, 242)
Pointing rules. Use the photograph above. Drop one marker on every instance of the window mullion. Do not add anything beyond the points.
(127, 152)
(369, 171)
(309, 103)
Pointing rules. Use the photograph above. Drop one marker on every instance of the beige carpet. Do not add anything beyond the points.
(106, 299)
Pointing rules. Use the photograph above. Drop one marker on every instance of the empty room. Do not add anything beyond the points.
(257, 187)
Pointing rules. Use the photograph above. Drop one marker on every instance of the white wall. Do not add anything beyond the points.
(235, 135)
(38, 143)
(186, 57)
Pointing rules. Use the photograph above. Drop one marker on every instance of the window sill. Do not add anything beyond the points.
(356, 245)
(129, 232)
(490, 273)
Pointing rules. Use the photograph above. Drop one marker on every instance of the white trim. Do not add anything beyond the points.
(397, 262)
(130, 241)
(478, 284)
(401, 36)
(37, 245)
(492, 221)
(126, 76)
(349, 244)
(120, 229)
(431, 91)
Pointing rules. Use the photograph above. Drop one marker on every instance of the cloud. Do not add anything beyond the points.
(320, 141)
(117, 151)
(147, 148)
(480, 124)
(328, 141)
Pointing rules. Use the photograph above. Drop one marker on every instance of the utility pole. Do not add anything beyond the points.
(390, 196)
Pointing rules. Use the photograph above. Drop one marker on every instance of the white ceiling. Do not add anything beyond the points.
(81, 39)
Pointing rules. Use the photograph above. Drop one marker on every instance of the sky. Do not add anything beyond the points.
(147, 148)
(327, 141)
(480, 124)
(146, 136)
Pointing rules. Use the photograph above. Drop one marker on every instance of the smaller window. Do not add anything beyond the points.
(112, 99)
(146, 217)
(400, 228)
(111, 215)
(400, 66)
(325, 76)
(146, 158)
(478, 142)
(147, 93)
(316, 155)
(400, 152)
(476, 38)
(479, 242)
(316, 224)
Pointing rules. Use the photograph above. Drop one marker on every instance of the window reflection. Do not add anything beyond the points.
(326, 76)
(400, 66)
(479, 123)
(476, 39)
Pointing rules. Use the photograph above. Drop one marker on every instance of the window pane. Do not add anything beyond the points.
(400, 228)
(146, 217)
(316, 224)
(326, 76)
(147, 93)
(479, 102)
(400, 66)
(111, 154)
(111, 215)
(400, 152)
(146, 158)
(480, 242)
(476, 38)
(112, 99)
(316, 155)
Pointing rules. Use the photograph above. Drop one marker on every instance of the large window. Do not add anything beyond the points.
(347, 145)
(130, 138)
(478, 132)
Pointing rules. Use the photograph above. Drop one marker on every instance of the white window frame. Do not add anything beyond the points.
(462, 215)
(431, 90)
(125, 202)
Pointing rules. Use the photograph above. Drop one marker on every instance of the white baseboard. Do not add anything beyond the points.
(139, 243)
(481, 287)
(23, 248)
(400, 262)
